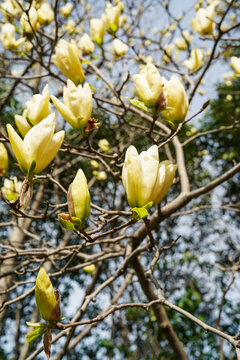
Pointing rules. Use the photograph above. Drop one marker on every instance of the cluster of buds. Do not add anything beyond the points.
(109, 21)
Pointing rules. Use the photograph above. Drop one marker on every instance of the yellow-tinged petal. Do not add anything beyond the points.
(22, 124)
(50, 151)
(75, 62)
(3, 159)
(131, 177)
(177, 100)
(38, 108)
(67, 60)
(149, 163)
(44, 295)
(65, 112)
(164, 185)
(38, 138)
(18, 148)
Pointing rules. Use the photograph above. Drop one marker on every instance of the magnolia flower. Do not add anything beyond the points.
(7, 37)
(103, 144)
(119, 47)
(112, 16)
(39, 146)
(67, 60)
(176, 99)
(85, 44)
(180, 43)
(45, 14)
(66, 9)
(148, 84)
(77, 106)
(46, 299)
(97, 30)
(3, 159)
(10, 9)
(235, 64)
(144, 178)
(37, 109)
(78, 197)
(203, 23)
(29, 22)
(195, 60)
(70, 26)
(11, 188)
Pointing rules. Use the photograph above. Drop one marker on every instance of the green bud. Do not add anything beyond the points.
(78, 197)
(45, 296)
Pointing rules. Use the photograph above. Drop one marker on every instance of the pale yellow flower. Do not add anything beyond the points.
(39, 146)
(195, 60)
(66, 58)
(148, 84)
(119, 47)
(7, 37)
(144, 178)
(76, 108)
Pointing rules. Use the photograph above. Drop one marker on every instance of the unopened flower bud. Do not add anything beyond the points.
(103, 145)
(66, 9)
(85, 44)
(45, 14)
(90, 269)
(94, 164)
(119, 47)
(78, 197)
(45, 297)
